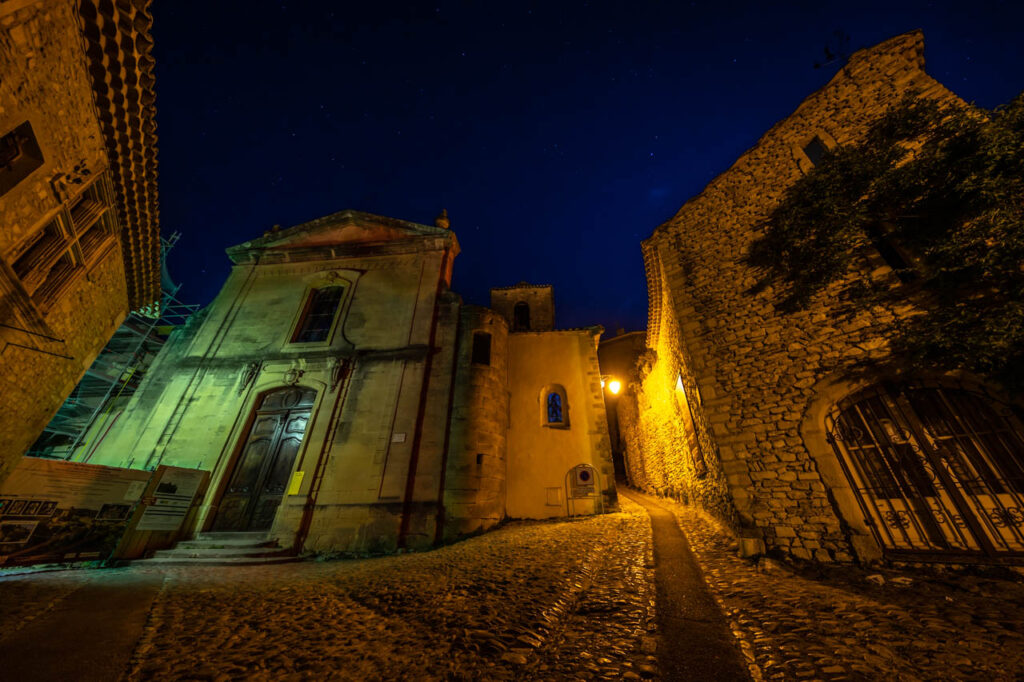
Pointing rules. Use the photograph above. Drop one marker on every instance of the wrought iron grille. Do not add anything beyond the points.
(936, 470)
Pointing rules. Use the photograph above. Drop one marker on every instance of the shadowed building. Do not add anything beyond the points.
(79, 239)
(344, 399)
(768, 418)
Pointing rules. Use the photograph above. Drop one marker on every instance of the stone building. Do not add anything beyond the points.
(79, 240)
(345, 400)
(758, 414)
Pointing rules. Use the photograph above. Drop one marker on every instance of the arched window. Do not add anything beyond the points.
(521, 317)
(318, 315)
(554, 406)
(935, 469)
(555, 414)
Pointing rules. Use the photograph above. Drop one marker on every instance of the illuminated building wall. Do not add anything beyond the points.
(345, 400)
(760, 382)
(79, 240)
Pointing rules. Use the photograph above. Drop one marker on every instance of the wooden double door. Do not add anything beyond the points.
(259, 480)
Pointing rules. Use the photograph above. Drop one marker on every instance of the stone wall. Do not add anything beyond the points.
(44, 349)
(754, 369)
(540, 298)
(477, 453)
(669, 447)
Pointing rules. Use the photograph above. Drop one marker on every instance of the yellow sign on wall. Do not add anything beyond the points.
(293, 487)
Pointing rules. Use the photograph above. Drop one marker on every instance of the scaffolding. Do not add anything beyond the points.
(90, 411)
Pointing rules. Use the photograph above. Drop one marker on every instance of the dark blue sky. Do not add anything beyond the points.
(557, 134)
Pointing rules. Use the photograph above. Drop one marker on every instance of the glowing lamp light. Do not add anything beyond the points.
(614, 386)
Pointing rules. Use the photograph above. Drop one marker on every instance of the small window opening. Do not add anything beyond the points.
(479, 458)
(481, 348)
(19, 156)
(555, 413)
(891, 254)
(521, 317)
(816, 150)
(321, 309)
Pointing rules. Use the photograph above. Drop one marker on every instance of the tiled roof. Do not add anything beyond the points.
(118, 46)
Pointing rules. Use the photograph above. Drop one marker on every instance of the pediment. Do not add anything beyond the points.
(340, 229)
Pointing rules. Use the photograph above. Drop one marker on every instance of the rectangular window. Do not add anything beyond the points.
(815, 150)
(891, 253)
(481, 348)
(75, 238)
(19, 156)
(318, 317)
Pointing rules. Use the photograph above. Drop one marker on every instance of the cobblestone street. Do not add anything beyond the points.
(845, 622)
(543, 600)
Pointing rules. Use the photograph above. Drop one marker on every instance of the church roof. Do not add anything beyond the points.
(341, 229)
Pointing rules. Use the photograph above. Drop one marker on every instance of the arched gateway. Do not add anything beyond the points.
(936, 470)
(257, 482)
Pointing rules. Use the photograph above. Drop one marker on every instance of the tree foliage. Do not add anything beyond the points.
(943, 185)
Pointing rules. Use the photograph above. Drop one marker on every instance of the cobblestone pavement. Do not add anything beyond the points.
(540, 600)
(821, 622)
(548, 601)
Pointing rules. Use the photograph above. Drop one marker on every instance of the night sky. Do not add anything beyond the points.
(558, 135)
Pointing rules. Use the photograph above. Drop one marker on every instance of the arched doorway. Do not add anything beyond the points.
(257, 483)
(936, 470)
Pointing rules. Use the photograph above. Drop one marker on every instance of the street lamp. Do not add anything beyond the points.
(612, 384)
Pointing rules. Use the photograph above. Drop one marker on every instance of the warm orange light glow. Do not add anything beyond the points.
(614, 386)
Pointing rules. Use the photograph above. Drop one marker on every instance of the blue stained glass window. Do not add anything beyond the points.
(555, 408)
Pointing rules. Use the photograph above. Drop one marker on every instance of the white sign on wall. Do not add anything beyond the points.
(171, 499)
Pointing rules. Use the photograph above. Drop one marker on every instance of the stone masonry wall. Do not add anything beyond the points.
(44, 352)
(540, 298)
(755, 366)
(669, 450)
(474, 493)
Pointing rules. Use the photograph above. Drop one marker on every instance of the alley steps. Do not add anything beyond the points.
(221, 549)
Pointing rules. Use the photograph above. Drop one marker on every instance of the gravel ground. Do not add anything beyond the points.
(820, 622)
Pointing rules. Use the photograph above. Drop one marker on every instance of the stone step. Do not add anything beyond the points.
(207, 552)
(229, 537)
(219, 561)
(208, 543)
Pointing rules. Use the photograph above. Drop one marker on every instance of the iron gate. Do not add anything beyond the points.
(936, 470)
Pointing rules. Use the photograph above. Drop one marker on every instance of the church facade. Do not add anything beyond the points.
(793, 427)
(344, 399)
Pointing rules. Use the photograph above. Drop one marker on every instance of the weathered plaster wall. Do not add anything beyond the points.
(755, 366)
(192, 408)
(540, 456)
(475, 476)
